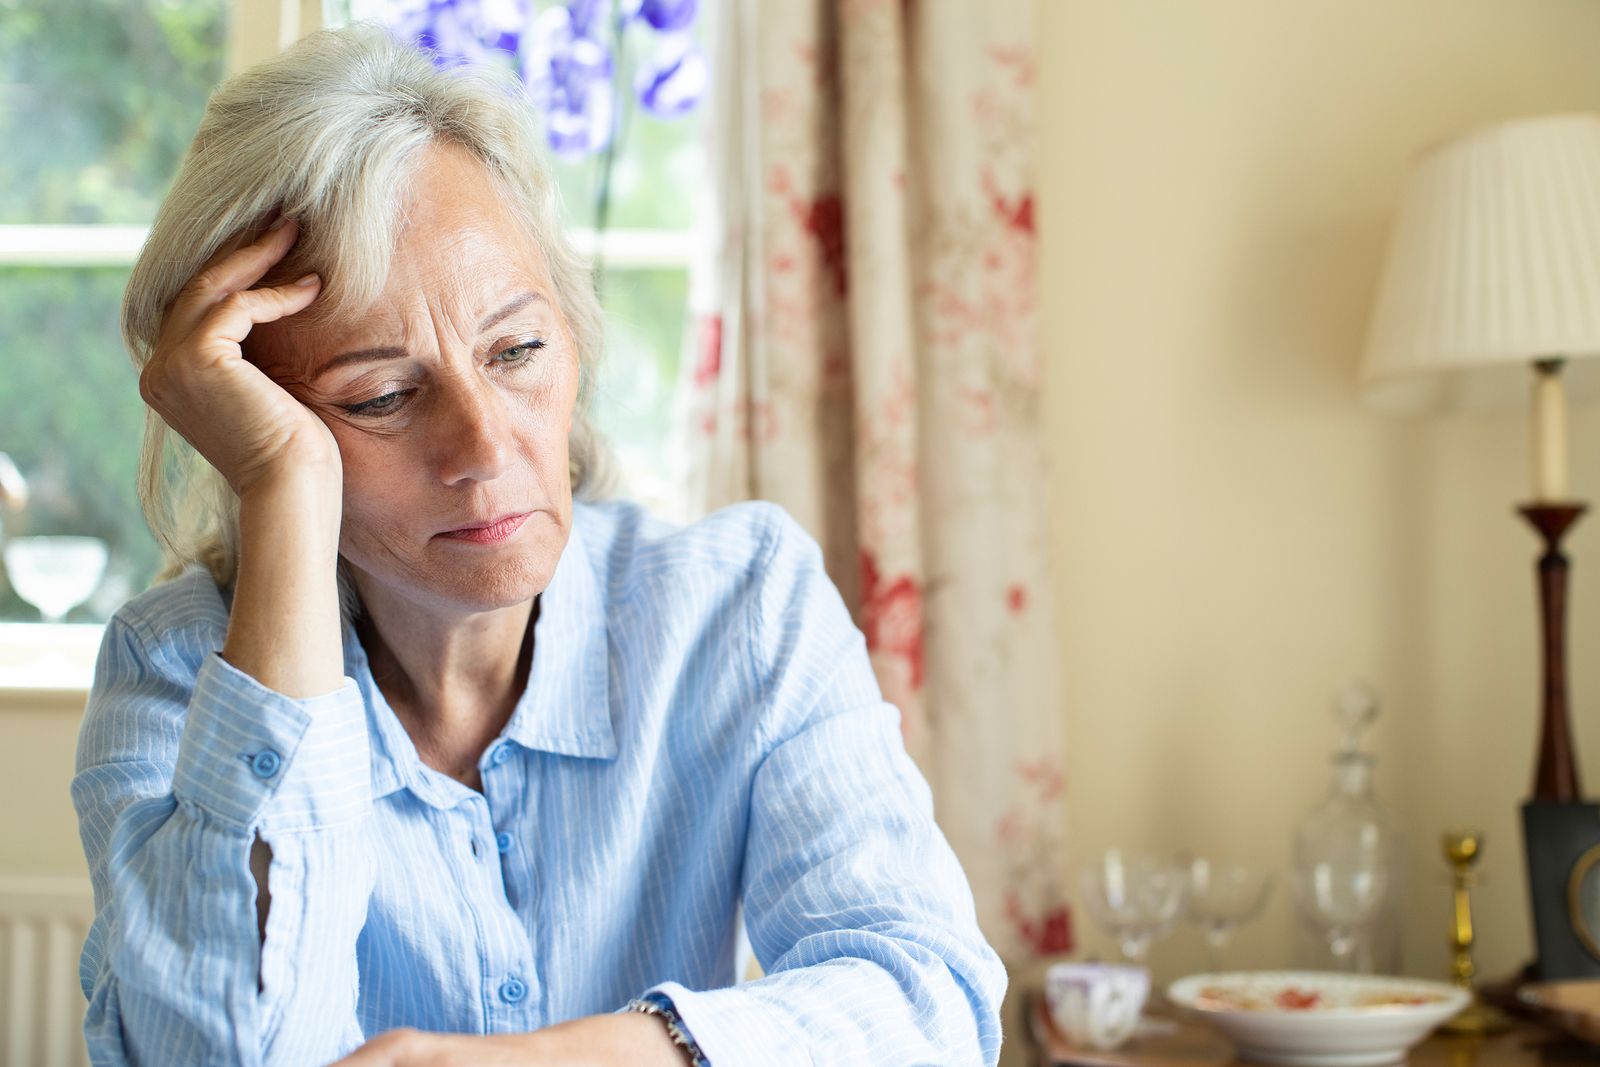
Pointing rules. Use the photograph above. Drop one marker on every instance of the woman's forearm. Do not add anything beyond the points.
(284, 629)
(620, 1039)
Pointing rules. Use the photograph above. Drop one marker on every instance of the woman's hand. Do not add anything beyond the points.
(246, 425)
(624, 1039)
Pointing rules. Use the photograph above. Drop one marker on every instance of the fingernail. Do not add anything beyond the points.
(309, 279)
(278, 224)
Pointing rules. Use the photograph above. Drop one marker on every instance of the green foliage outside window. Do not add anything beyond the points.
(98, 103)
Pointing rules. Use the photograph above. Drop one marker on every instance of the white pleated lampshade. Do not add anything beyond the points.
(1494, 263)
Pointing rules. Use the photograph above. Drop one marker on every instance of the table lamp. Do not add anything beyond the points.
(1491, 292)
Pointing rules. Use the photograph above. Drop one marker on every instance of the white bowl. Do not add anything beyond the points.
(1342, 1027)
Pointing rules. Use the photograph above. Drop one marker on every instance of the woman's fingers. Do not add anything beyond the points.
(239, 419)
(231, 272)
(232, 317)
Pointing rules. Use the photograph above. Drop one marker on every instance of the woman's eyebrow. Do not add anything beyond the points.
(362, 355)
(516, 304)
(376, 355)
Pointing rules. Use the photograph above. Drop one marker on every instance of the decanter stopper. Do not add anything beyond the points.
(1355, 705)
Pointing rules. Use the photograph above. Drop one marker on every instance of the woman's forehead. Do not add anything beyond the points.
(460, 253)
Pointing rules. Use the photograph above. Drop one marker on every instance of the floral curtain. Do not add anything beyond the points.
(866, 357)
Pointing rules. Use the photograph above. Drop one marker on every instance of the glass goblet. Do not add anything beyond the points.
(1136, 899)
(55, 574)
(1221, 897)
(1342, 899)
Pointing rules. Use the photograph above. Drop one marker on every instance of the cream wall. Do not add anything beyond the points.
(38, 831)
(1234, 533)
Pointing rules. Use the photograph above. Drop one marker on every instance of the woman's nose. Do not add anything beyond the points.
(470, 434)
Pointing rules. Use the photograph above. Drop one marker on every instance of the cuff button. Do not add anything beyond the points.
(266, 763)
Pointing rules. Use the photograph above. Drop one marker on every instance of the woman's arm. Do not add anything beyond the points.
(857, 907)
(184, 762)
(222, 798)
(621, 1039)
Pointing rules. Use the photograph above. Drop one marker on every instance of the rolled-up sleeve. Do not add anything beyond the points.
(182, 762)
(857, 908)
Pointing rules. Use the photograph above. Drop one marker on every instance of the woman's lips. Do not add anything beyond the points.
(492, 534)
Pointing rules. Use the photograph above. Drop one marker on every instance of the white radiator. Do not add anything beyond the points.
(43, 923)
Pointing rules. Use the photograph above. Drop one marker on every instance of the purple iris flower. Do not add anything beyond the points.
(667, 16)
(460, 32)
(563, 54)
(568, 74)
(587, 18)
(674, 79)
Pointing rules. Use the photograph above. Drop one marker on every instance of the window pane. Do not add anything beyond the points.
(646, 313)
(656, 167)
(73, 424)
(99, 101)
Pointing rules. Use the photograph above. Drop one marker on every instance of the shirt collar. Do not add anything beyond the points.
(565, 708)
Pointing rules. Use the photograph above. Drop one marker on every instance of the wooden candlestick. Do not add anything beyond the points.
(1556, 774)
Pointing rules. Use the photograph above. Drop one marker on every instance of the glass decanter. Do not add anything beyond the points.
(1347, 855)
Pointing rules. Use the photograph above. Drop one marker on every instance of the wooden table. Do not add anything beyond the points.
(1194, 1045)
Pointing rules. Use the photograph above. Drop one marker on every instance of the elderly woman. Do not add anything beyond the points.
(411, 742)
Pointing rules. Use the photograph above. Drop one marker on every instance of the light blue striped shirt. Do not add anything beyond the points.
(701, 741)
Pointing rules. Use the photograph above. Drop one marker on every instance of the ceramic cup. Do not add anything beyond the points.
(1096, 1004)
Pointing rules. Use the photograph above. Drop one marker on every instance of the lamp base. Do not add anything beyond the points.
(1556, 773)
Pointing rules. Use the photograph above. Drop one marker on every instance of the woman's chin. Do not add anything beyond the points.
(492, 582)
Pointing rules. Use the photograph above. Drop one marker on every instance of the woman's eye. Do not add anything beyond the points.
(519, 353)
(379, 405)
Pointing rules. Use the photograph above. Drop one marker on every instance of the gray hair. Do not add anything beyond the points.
(330, 133)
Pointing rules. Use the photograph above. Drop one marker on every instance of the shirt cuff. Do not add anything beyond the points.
(252, 757)
(732, 1027)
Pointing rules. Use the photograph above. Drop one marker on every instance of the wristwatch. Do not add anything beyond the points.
(659, 1004)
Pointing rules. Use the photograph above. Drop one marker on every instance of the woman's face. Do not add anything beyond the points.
(451, 399)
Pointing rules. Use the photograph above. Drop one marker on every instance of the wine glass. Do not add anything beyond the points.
(56, 573)
(1341, 897)
(1221, 897)
(1136, 899)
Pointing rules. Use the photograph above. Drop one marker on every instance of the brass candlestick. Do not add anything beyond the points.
(1463, 849)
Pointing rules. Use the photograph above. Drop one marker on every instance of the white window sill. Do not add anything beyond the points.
(45, 665)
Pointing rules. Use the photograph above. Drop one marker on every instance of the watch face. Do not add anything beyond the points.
(1583, 900)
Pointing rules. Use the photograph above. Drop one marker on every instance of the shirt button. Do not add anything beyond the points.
(512, 990)
(266, 763)
(502, 841)
(501, 754)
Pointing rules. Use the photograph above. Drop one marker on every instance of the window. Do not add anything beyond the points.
(102, 99)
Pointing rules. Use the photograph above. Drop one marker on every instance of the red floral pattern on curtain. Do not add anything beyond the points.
(866, 357)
